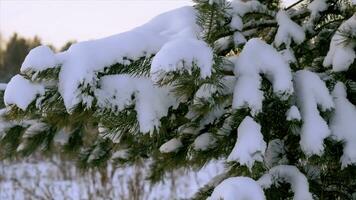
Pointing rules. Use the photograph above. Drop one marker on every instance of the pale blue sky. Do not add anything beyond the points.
(57, 21)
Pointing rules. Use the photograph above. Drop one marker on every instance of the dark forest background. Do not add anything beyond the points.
(14, 50)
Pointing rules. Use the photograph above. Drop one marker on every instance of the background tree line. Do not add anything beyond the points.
(14, 51)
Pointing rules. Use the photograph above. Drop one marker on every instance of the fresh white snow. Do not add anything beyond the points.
(288, 30)
(204, 141)
(293, 114)
(183, 54)
(171, 145)
(250, 146)
(80, 63)
(21, 92)
(39, 59)
(311, 91)
(258, 57)
(341, 54)
(343, 124)
(151, 102)
(238, 188)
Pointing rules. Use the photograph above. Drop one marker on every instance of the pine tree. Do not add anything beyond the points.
(268, 89)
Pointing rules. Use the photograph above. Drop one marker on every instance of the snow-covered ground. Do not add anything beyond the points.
(61, 180)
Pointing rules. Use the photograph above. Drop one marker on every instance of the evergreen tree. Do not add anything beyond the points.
(271, 90)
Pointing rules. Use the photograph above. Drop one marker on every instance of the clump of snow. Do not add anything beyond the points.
(288, 55)
(238, 38)
(39, 59)
(238, 188)
(172, 145)
(204, 142)
(343, 124)
(241, 8)
(341, 54)
(293, 114)
(311, 91)
(275, 153)
(290, 174)
(236, 23)
(183, 54)
(317, 6)
(21, 92)
(288, 30)
(250, 146)
(258, 57)
(151, 102)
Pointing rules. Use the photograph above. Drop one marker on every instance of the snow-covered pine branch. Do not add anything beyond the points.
(193, 77)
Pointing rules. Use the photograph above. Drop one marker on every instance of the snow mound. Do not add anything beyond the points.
(172, 145)
(116, 93)
(293, 114)
(258, 57)
(183, 54)
(21, 92)
(343, 124)
(290, 174)
(39, 59)
(341, 54)
(250, 146)
(311, 91)
(288, 30)
(238, 188)
(204, 141)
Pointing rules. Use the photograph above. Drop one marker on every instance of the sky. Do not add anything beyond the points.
(58, 21)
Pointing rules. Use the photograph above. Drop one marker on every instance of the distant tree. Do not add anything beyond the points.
(67, 45)
(13, 55)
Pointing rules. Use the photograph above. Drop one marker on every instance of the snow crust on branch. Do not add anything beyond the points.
(240, 8)
(258, 57)
(343, 124)
(293, 114)
(39, 59)
(290, 174)
(183, 54)
(204, 142)
(238, 188)
(171, 145)
(172, 32)
(22, 92)
(117, 92)
(341, 53)
(250, 146)
(288, 30)
(311, 91)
